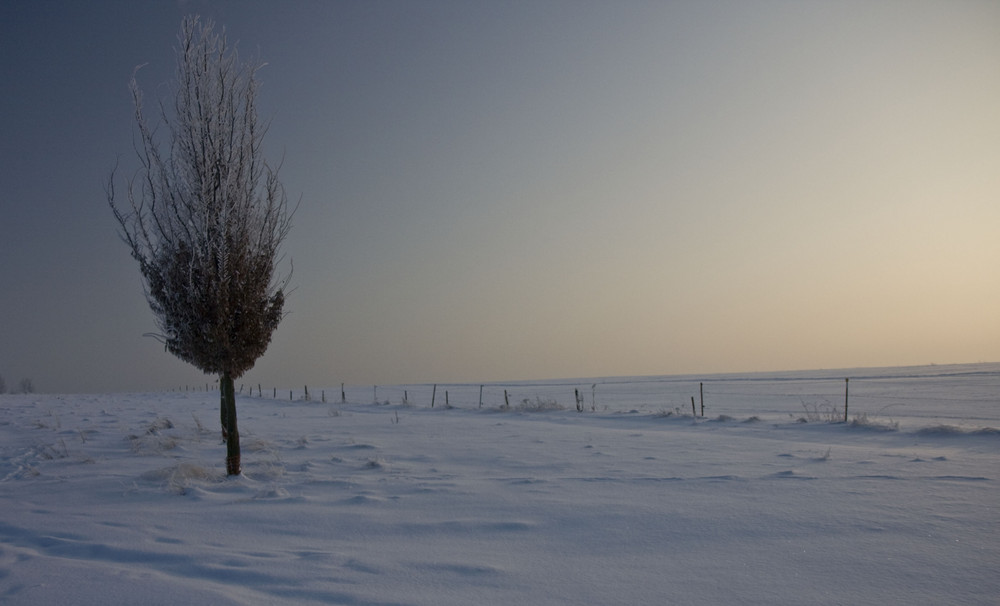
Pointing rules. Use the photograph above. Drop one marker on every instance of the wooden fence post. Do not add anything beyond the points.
(434, 394)
(701, 392)
(846, 385)
(480, 396)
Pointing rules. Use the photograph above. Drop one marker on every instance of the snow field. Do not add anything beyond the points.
(122, 499)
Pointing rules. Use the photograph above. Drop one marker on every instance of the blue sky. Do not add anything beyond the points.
(518, 190)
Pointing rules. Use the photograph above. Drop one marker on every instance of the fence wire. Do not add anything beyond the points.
(966, 392)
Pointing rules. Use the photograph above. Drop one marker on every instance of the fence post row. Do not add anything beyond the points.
(577, 396)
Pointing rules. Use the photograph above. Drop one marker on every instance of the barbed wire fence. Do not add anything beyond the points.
(792, 396)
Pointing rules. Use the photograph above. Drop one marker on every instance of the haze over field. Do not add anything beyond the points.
(500, 191)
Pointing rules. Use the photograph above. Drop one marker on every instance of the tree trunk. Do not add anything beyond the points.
(223, 400)
(229, 429)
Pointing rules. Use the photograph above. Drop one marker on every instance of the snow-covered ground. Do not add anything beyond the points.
(122, 499)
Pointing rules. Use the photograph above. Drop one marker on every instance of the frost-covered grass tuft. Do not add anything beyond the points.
(538, 405)
(676, 413)
(197, 423)
(179, 478)
(55, 451)
(865, 421)
(159, 425)
(154, 439)
(822, 412)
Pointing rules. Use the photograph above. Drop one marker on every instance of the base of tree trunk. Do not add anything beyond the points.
(233, 466)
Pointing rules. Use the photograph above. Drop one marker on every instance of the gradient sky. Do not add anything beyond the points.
(505, 190)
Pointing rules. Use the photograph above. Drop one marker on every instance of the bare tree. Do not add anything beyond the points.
(3, 385)
(205, 218)
(26, 386)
